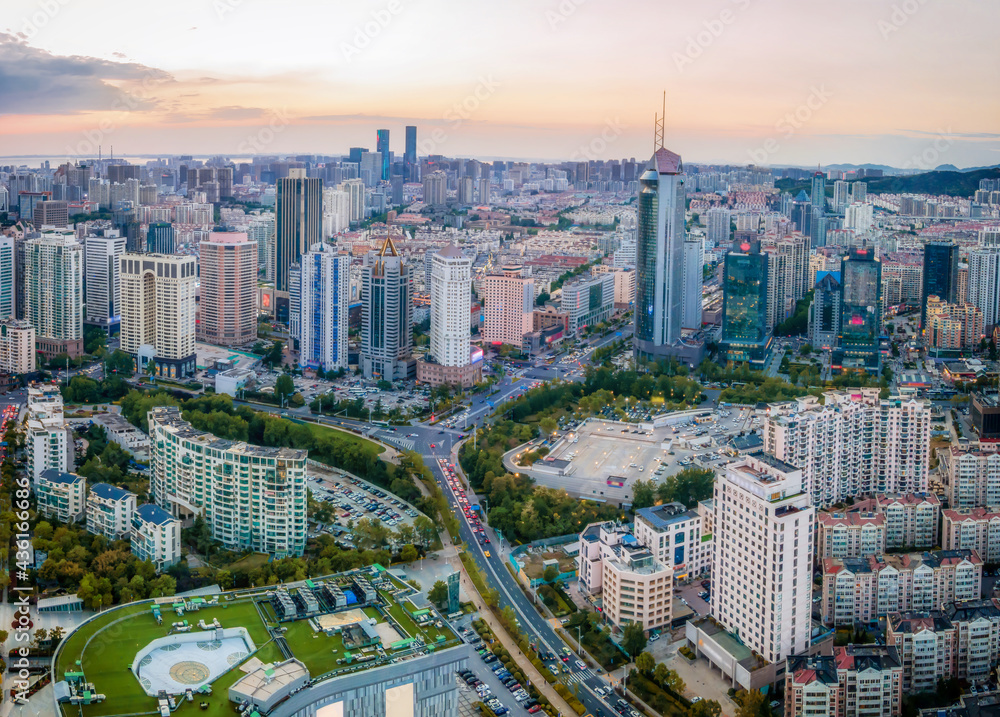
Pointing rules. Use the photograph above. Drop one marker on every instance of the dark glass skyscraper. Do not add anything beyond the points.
(860, 313)
(819, 190)
(299, 221)
(160, 238)
(745, 335)
(410, 157)
(940, 274)
(382, 147)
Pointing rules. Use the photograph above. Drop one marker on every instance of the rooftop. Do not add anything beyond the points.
(170, 418)
(663, 516)
(154, 514)
(109, 492)
(51, 475)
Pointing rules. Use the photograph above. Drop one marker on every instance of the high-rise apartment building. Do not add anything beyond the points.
(228, 314)
(950, 328)
(355, 189)
(984, 284)
(911, 519)
(849, 535)
(252, 498)
(902, 278)
(48, 440)
(824, 311)
(17, 347)
(449, 359)
(483, 191)
(436, 188)
(103, 280)
(972, 476)
(860, 314)
(718, 226)
(158, 312)
(940, 275)
(694, 278)
(8, 278)
(746, 333)
(322, 296)
(762, 567)
(54, 292)
(299, 221)
(387, 315)
(509, 301)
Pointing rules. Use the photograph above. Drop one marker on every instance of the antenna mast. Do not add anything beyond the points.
(658, 127)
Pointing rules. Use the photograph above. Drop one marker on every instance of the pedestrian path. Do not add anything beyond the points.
(389, 437)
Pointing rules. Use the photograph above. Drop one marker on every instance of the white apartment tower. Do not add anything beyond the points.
(984, 283)
(48, 439)
(104, 289)
(7, 279)
(451, 306)
(322, 297)
(762, 566)
(53, 287)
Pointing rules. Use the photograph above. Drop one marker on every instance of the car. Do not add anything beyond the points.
(486, 553)
(581, 665)
(695, 699)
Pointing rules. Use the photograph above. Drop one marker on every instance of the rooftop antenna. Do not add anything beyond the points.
(658, 126)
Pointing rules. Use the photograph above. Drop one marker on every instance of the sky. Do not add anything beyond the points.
(907, 83)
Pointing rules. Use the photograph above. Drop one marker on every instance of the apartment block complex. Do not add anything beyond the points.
(972, 476)
(48, 440)
(856, 681)
(253, 498)
(972, 529)
(156, 536)
(53, 286)
(61, 495)
(911, 519)
(109, 511)
(319, 298)
(926, 643)
(849, 535)
(228, 306)
(17, 347)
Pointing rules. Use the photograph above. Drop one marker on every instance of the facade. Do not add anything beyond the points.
(435, 189)
(911, 519)
(120, 431)
(926, 643)
(972, 529)
(54, 292)
(624, 284)
(109, 511)
(507, 311)
(321, 295)
(857, 347)
(854, 444)
(48, 440)
(746, 335)
(824, 311)
(849, 535)
(984, 410)
(588, 301)
(856, 681)
(940, 275)
(952, 327)
(60, 495)
(253, 498)
(984, 283)
(977, 638)
(8, 278)
(861, 590)
(761, 587)
(160, 238)
(17, 347)
(104, 286)
(902, 278)
(228, 306)
(694, 281)
(450, 358)
(382, 147)
(158, 312)
(387, 315)
(299, 221)
(972, 476)
(677, 537)
(717, 226)
(156, 536)
(410, 166)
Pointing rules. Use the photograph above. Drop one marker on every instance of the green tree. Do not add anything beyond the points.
(284, 387)
(645, 663)
(634, 639)
(408, 554)
(705, 708)
(643, 494)
(438, 593)
(751, 704)
(119, 363)
(548, 426)
(550, 574)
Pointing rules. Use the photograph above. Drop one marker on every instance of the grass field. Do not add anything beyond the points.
(319, 431)
(319, 652)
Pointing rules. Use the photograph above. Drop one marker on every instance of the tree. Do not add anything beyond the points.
(542, 298)
(408, 554)
(119, 363)
(645, 663)
(751, 704)
(634, 639)
(425, 529)
(548, 426)
(438, 593)
(284, 387)
(550, 574)
(705, 708)
(643, 494)
(274, 355)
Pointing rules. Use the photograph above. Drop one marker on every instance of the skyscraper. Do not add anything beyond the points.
(824, 311)
(228, 290)
(323, 298)
(984, 283)
(7, 278)
(387, 315)
(299, 221)
(160, 238)
(54, 292)
(103, 280)
(449, 359)
(818, 196)
(410, 157)
(435, 188)
(860, 313)
(940, 275)
(717, 225)
(509, 299)
(382, 147)
(746, 336)
(694, 275)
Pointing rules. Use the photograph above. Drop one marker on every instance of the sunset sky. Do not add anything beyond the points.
(769, 81)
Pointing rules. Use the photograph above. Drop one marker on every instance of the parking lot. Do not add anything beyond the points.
(355, 499)
(350, 388)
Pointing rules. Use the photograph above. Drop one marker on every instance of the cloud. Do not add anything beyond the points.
(36, 82)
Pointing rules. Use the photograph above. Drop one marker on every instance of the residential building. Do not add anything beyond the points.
(8, 278)
(856, 681)
(911, 519)
(927, 644)
(387, 315)
(17, 347)
(717, 226)
(193, 473)
(676, 536)
(972, 476)
(849, 535)
(634, 586)
(436, 189)
(54, 292)
(156, 536)
(509, 298)
(867, 588)
(61, 495)
(984, 283)
(694, 281)
(450, 358)
(120, 431)
(299, 221)
(321, 295)
(51, 213)
(940, 275)
(624, 284)
(977, 638)
(228, 306)
(952, 327)
(788, 272)
(824, 311)
(746, 333)
(972, 529)
(902, 278)
(857, 345)
(588, 301)
(109, 511)
(104, 286)
(336, 212)
(853, 444)
(762, 562)
(158, 312)
(48, 440)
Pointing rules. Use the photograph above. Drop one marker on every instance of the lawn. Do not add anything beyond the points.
(319, 652)
(250, 562)
(320, 431)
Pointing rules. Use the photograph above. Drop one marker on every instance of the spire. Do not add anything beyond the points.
(658, 125)
(388, 246)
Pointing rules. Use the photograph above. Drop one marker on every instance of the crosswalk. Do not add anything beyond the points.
(580, 676)
(405, 443)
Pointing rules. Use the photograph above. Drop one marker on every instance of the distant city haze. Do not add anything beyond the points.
(771, 83)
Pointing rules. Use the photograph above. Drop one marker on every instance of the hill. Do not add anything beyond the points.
(953, 184)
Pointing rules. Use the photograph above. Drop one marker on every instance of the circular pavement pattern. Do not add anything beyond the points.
(210, 646)
(235, 657)
(189, 672)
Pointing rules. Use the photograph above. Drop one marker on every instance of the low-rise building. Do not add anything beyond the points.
(109, 511)
(849, 535)
(855, 681)
(911, 519)
(926, 643)
(677, 538)
(124, 434)
(156, 536)
(60, 495)
(973, 529)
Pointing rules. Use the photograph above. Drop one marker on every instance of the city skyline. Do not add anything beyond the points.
(782, 84)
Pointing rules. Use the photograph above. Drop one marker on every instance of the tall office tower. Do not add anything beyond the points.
(940, 275)
(694, 277)
(660, 257)
(160, 238)
(224, 176)
(128, 226)
(818, 196)
(228, 290)
(51, 214)
(8, 292)
(465, 185)
(717, 225)
(20, 277)
(299, 222)
(984, 284)
(840, 195)
(859, 192)
(801, 213)
(261, 230)
(193, 473)
(853, 444)
(818, 228)
(483, 190)
(371, 168)
(387, 315)
(158, 312)
(103, 281)
(54, 292)
(323, 299)
(382, 147)
(98, 191)
(336, 212)
(435, 188)
(410, 166)
(509, 303)
(762, 575)
(860, 314)
(48, 440)
(449, 359)
(4, 199)
(824, 311)
(746, 333)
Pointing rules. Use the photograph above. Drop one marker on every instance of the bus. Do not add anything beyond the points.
(380, 423)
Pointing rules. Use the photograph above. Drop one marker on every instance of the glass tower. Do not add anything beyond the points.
(860, 313)
(382, 147)
(940, 275)
(745, 334)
